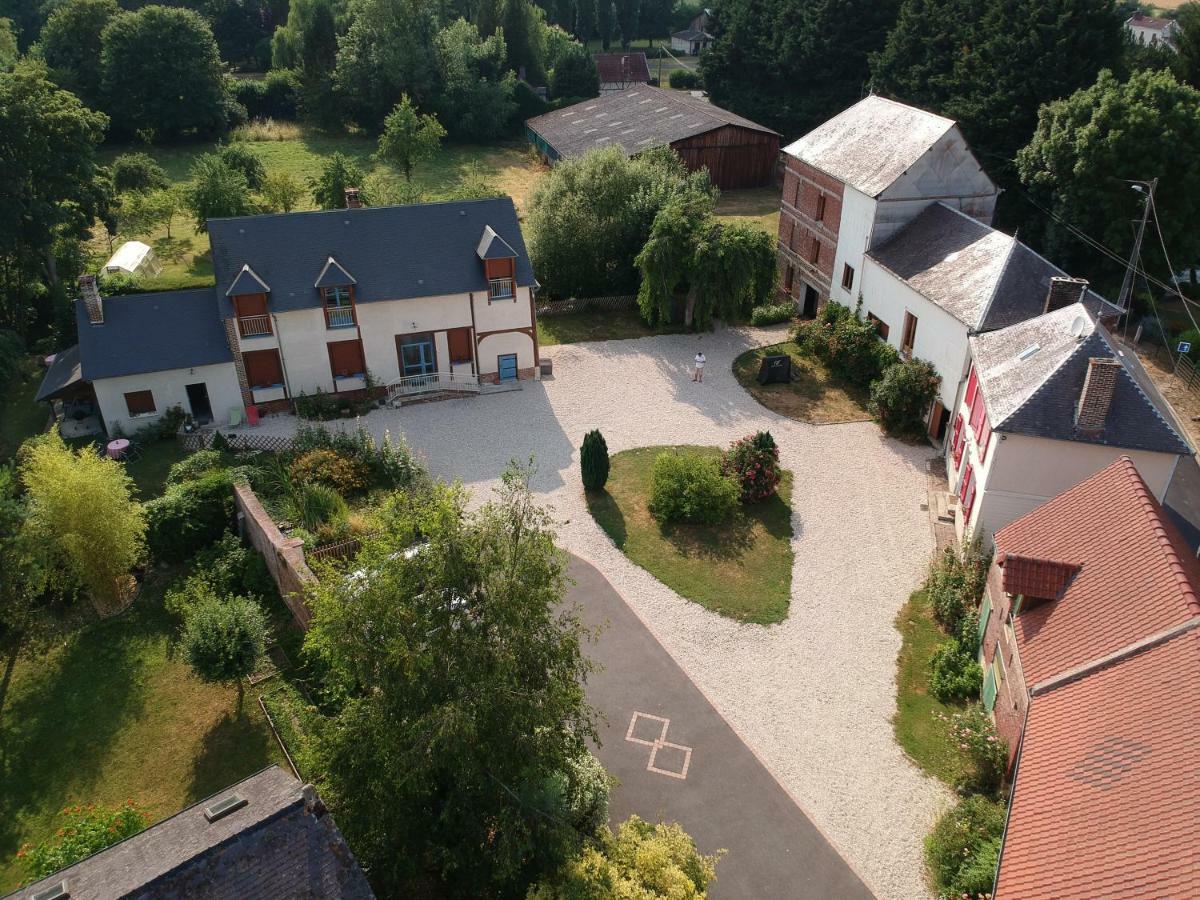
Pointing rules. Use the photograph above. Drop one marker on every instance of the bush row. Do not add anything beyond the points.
(686, 486)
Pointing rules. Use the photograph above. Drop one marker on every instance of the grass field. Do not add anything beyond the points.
(815, 395)
(596, 325)
(113, 713)
(918, 730)
(757, 207)
(741, 569)
(20, 416)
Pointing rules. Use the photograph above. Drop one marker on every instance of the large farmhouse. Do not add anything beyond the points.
(738, 153)
(408, 297)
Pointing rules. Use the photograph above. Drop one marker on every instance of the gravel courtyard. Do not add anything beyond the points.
(813, 696)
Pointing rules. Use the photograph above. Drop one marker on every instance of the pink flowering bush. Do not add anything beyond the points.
(88, 830)
(973, 733)
(754, 463)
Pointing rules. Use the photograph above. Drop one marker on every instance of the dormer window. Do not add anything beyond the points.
(499, 265)
(339, 307)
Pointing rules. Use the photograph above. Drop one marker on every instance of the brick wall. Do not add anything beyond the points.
(810, 214)
(284, 556)
(1012, 696)
(494, 377)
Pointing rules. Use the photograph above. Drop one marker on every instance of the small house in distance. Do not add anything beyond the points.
(737, 152)
(621, 71)
(694, 38)
(1152, 30)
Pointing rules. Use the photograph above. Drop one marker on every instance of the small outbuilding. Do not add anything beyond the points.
(621, 71)
(737, 152)
(133, 258)
(695, 38)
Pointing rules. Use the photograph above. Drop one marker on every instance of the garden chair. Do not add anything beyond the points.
(235, 416)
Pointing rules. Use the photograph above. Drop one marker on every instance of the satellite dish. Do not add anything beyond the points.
(1077, 326)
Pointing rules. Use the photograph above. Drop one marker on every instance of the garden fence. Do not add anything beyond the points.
(237, 440)
(338, 549)
(582, 304)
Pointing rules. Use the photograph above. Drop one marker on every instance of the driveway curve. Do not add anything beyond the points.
(813, 695)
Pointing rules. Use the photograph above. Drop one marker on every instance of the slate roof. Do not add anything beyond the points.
(63, 373)
(492, 246)
(983, 277)
(395, 252)
(1135, 574)
(247, 282)
(282, 843)
(622, 68)
(1037, 395)
(634, 120)
(333, 275)
(1137, 20)
(1107, 802)
(151, 333)
(871, 144)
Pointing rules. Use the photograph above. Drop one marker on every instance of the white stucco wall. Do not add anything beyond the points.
(492, 347)
(854, 240)
(941, 339)
(170, 389)
(382, 322)
(515, 313)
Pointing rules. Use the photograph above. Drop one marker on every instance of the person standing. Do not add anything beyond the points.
(698, 375)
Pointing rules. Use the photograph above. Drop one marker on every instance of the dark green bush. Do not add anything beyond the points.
(688, 487)
(228, 568)
(189, 516)
(239, 157)
(901, 398)
(954, 673)
(11, 353)
(684, 79)
(319, 407)
(960, 842)
(274, 97)
(973, 732)
(956, 581)
(390, 461)
(192, 467)
(847, 344)
(772, 314)
(115, 284)
(138, 172)
(593, 461)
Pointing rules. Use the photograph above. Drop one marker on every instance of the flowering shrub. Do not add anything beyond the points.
(974, 734)
(344, 474)
(902, 396)
(754, 462)
(963, 843)
(89, 829)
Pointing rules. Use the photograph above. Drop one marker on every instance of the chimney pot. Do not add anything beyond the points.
(92, 301)
(353, 198)
(1064, 291)
(1097, 394)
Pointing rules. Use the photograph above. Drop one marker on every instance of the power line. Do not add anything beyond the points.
(1163, 244)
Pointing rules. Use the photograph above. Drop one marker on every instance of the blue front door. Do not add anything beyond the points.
(508, 367)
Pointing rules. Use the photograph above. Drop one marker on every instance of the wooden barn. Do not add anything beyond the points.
(737, 152)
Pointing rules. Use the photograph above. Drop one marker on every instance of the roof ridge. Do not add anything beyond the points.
(297, 213)
(1008, 257)
(1154, 517)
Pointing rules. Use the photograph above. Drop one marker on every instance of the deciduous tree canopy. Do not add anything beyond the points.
(71, 45)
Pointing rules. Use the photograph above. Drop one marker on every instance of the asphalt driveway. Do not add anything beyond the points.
(678, 760)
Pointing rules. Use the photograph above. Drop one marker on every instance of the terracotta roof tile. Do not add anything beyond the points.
(623, 68)
(1136, 575)
(1107, 797)
(1043, 579)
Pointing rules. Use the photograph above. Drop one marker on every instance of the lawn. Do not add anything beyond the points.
(814, 395)
(918, 731)
(301, 153)
(756, 207)
(149, 471)
(112, 713)
(20, 416)
(741, 569)
(597, 325)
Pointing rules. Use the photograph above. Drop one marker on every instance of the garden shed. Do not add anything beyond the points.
(133, 258)
(737, 152)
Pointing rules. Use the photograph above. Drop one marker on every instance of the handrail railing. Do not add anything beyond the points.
(501, 289)
(433, 381)
(254, 326)
(339, 316)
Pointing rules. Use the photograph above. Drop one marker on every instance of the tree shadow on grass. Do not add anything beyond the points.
(237, 745)
(726, 542)
(61, 720)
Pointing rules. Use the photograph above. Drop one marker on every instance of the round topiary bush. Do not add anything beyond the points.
(754, 462)
(593, 461)
(688, 487)
(903, 395)
(344, 474)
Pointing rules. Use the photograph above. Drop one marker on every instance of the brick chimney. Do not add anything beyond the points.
(1096, 396)
(1064, 291)
(353, 199)
(92, 301)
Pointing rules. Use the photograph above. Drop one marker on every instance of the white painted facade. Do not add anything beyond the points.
(853, 242)
(169, 388)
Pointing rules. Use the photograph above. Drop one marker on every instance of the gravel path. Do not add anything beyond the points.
(813, 696)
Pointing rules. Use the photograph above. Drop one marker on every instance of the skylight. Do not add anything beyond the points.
(1029, 351)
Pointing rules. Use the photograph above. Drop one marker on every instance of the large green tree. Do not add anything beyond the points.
(1088, 148)
(1188, 43)
(9, 52)
(389, 51)
(604, 202)
(462, 677)
(522, 24)
(51, 184)
(476, 101)
(791, 64)
(409, 137)
(338, 173)
(216, 190)
(289, 43)
(991, 63)
(161, 75)
(224, 640)
(574, 74)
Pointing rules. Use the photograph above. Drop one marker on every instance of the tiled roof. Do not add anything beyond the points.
(247, 282)
(1107, 799)
(151, 333)
(634, 120)
(1028, 576)
(1137, 20)
(983, 277)
(1136, 574)
(63, 373)
(394, 252)
(282, 843)
(871, 144)
(1032, 374)
(492, 246)
(622, 68)
(333, 275)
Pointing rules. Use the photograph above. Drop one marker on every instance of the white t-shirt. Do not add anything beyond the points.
(700, 360)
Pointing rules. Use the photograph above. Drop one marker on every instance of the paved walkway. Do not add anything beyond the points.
(677, 760)
(814, 695)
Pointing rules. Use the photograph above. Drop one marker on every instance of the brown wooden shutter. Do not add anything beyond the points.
(263, 368)
(346, 358)
(500, 268)
(251, 304)
(460, 344)
(139, 402)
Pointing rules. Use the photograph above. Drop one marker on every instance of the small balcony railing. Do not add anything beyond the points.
(500, 289)
(409, 385)
(339, 316)
(254, 326)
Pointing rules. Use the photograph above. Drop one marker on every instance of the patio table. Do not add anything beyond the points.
(116, 448)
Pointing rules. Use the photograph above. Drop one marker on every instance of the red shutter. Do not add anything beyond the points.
(346, 359)
(985, 437)
(969, 502)
(263, 368)
(978, 414)
(972, 387)
(968, 482)
(959, 440)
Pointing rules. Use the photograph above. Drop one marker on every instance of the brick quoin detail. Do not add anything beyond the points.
(238, 365)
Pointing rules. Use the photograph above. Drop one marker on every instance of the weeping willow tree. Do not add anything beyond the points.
(723, 270)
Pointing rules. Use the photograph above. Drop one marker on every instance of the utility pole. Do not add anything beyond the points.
(1126, 295)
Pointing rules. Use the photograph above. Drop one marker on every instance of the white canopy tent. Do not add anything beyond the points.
(134, 258)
